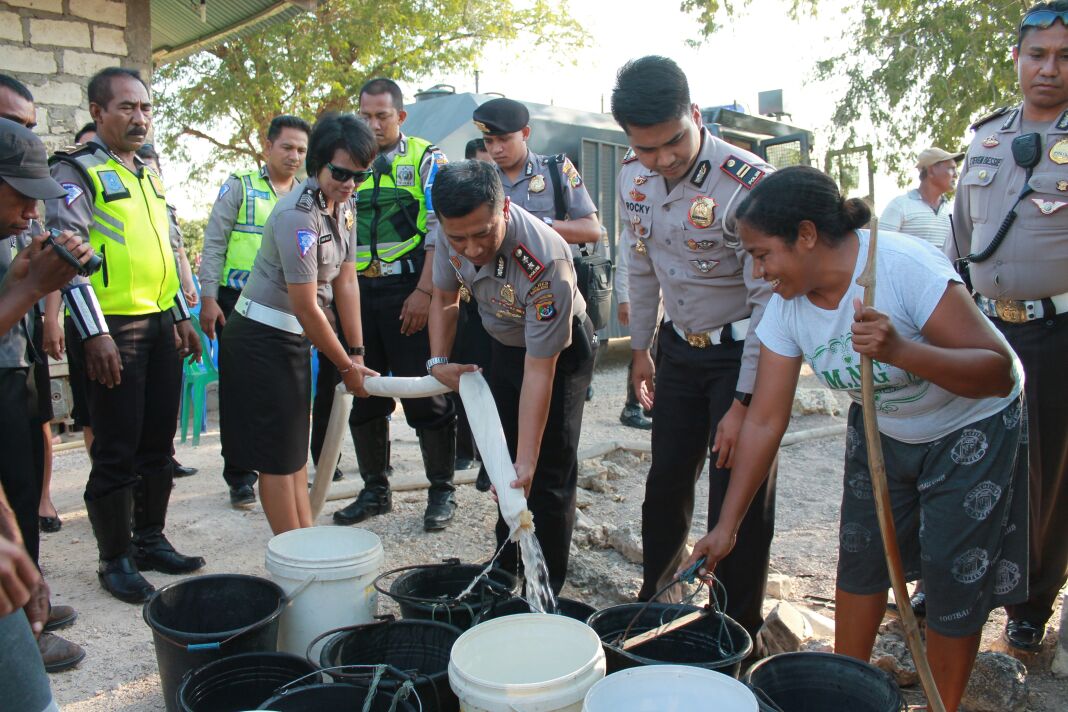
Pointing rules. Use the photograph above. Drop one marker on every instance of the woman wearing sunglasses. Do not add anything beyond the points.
(306, 261)
(948, 400)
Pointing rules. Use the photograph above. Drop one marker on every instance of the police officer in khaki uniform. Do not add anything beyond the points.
(678, 189)
(232, 238)
(521, 275)
(1021, 283)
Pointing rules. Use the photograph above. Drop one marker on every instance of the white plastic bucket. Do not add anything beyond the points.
(327, 573)
(529, 662)
(669, 688)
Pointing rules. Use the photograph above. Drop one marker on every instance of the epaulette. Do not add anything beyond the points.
(306, 201)
(991, 116)
(74, 149)
(629, 156)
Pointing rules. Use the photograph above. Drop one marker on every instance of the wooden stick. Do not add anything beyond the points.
(877, 467)
(636, 640)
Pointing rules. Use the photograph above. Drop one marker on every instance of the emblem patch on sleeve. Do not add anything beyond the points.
(528, 262)
(745, 173)
(538, 288)
(73, 193)
(305, 241)
(573, 177)
(223, 191)
(545, 311)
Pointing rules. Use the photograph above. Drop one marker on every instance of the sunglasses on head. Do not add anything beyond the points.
(342, 175)
(1043, 19)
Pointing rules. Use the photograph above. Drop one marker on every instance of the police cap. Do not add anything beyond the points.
(501, 116)
(24, 163)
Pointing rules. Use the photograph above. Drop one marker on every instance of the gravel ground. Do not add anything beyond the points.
(119, 671)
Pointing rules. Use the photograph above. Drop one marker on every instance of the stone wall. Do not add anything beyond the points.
(54, 46)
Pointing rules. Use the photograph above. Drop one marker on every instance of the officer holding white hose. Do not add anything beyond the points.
(520, 273)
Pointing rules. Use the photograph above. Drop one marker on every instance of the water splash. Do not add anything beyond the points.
(537, 590)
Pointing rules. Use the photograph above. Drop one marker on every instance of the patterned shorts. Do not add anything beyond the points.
(960, 509)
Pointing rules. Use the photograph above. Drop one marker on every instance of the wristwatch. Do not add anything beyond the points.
(436, 361)
(357, 351)
(548, 221)
(743, 398)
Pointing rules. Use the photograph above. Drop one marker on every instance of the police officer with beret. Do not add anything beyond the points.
(521, 275)
(1021, 283)
(678, 189)
(118, 204)
(232, 239)
(396, 231)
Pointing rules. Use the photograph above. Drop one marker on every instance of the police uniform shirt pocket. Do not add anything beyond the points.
(1050, 196)
(540, 204)
(977, 181)
(1044, 215)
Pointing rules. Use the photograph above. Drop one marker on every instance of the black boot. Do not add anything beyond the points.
(371, 441)
(110, 517)
(439, 459)
(152, 551)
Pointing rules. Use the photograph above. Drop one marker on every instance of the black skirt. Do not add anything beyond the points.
(264, 397)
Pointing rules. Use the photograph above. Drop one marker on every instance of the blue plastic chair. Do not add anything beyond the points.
(195, 380)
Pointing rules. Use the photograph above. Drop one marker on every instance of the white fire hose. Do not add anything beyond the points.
(481, 414)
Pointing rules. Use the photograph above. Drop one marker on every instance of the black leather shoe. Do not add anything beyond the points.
(181, 470)
(466, 463)
(369, 503)
(482, 482)
(632, 417)
(242, 497)
(1024, 635)
(338, 475)
(155, 553)
(50, 525)
(589, 393)
(919, 605)
(121, 579)
(440, 507)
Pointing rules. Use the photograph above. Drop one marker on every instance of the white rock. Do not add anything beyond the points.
(892, 655)
(822, 626)
(614, 470)
(780, 586)
(784, 629)
(584, 498)
(627, 542)
(593, 476)
(1059, 668)
(998, 684)
(810, 401)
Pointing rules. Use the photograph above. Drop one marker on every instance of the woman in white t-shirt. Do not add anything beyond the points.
(948, 397)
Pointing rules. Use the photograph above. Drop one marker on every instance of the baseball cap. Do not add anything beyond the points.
(24, 163)
(930, 156)
(501, 116)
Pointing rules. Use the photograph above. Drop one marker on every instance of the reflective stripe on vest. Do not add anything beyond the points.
(244, 240)
(391, 209)
(131, 232)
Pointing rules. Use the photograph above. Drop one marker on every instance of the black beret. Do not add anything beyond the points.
(501, 116)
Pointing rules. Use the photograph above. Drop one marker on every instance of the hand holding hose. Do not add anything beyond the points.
(713, 548)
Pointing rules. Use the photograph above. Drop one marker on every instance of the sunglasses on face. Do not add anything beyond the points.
(342, 175)
(1043, 19)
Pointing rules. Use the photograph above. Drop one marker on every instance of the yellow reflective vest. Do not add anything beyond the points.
(244, 240)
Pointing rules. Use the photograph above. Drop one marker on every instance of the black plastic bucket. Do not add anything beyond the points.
(419, 649)
(429, 592)
(242, 682)
(715, 642)
(205, 618)
(564, 607)
(331, 697)
(817, 682)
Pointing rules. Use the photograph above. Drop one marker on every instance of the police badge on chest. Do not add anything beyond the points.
(405, 176)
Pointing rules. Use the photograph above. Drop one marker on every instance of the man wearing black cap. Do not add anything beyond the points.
(29, 270)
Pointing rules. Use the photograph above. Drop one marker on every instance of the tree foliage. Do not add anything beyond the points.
(317, 62)
(914, 69)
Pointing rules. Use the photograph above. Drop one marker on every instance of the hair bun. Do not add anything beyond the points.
(856, 212)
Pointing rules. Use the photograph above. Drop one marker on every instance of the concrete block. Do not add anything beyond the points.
(104, 11)
(998, 684)
(780, 586)
(110, 40)
(10, 26)
(85, 64)
(61, 93)
(62, 33)
(25, 59)
(45, 5)
(784, 629)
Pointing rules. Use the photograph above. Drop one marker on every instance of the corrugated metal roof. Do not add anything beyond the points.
(177, 29)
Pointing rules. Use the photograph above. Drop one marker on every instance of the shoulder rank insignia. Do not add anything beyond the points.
(306, 201)
(528, 262)
(156, 183)
(629, 156)
(74, 148)
(701, 173)
(498, 271)
(1062, 122)
(455, 260)
(745, 173)
(990, 117)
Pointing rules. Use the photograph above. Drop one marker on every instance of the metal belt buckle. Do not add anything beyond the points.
(374, 269)
(699, 341)
(1010, 310)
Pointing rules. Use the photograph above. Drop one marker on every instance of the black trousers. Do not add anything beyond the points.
(694, 389)
(234, 476)
(134, 422)
(390, 352)
(472, 345)
(1041, 346)
(21, 453)
(552, 494)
